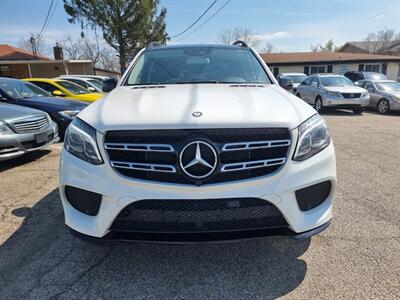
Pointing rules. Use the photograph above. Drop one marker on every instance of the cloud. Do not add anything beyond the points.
(379, 16)
(271, 36)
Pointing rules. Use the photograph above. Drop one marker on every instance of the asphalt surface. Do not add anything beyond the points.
(357, 257)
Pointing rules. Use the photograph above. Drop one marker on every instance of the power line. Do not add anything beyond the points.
(194, 23)
(46, 20)
(206, 21)
(51, 16)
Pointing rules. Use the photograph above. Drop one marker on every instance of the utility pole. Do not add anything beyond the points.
(33, 44)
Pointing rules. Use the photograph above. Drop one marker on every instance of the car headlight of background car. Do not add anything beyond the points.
(396, 98)
(69, 114)
(334, 94)
(314, 136)
(80, 140)
(4, 129)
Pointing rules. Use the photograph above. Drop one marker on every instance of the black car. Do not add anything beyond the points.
(19, 92)
(364, 75)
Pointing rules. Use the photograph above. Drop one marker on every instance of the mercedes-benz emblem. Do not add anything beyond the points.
(198, 159)
(197, 114)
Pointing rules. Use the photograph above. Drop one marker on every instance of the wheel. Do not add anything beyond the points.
(383, 106)
(298, 95)
(319, 107)
(357, 110)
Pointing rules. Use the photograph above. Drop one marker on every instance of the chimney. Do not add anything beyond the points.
(58, 52)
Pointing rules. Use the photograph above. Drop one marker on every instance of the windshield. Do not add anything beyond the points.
(336, 81)
(388, 86)
(297, 78)
(21, 89)
(96, 83)
(197, 65)
(374, 76)
(73, 88)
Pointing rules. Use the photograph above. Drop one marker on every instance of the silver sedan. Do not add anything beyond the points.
(384, 94)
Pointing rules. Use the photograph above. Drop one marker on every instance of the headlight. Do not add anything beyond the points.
(80, 140)
(69, 114)
(364, 95)
(314, 136)
(334, 94)
(4, 129)
(396, 98)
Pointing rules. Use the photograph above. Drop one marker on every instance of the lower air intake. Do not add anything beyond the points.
(85, 201)
(312, 196)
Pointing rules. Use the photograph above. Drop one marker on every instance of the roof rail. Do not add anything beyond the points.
(154, 45)
(241, 44)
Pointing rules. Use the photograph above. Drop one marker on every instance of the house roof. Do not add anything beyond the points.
(8, 52)
(323, 57)
(375, 46)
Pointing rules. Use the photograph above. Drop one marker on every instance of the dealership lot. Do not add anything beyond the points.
(358, 256)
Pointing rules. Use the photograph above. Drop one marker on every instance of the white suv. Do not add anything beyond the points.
(197, 143)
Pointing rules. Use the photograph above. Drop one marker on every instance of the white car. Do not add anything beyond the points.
(297, 79)
(332, 91)
(197, 143)
(91, 84)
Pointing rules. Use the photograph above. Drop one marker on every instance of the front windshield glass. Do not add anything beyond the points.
(374, 76)
(388, 86)
(335, 81)
(197, 65)
(21, 89)
(73, 87)
(297, 78)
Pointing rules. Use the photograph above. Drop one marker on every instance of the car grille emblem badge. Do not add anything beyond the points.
(198, 159)
(197, 114)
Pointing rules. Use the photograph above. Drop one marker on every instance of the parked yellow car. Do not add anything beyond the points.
(65, 88)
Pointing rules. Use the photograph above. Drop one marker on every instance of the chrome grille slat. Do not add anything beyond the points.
(252, 164)
(143, 166)
(139, 147)
(31, 125)
(255, 145)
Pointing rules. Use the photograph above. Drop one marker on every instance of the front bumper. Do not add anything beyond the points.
(345, 102)
(394, 105)
(18, 144)
(278, 189)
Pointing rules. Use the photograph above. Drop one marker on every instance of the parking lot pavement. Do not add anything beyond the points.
(357, 257)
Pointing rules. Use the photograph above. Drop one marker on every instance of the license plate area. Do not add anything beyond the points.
(41, 138)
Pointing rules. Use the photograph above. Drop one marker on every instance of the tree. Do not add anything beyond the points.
(268, 48)
(239, 34)
(328, 47)
(380, 39)
(127, 25)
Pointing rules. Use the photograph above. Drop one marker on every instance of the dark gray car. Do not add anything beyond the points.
(23, 130)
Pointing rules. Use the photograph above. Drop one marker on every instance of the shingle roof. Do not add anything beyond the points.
(8, 52)
(316, 57)
(377, 46)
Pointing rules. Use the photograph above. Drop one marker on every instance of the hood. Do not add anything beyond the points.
(295, 85)
(391, 93)
(345, 89)
(221, 105)
(88, 97)
(54, 103)
(9, 112)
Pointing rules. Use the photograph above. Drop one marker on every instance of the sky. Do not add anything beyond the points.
(289, 25)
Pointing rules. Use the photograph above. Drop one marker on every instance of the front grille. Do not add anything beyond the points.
(154, 154)
(351, 95)
(32, 144)
(200, 215)
(33, 124)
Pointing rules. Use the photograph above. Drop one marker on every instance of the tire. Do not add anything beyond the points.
(298, 95)
(383, 107)
(319, 106)
(357, 110)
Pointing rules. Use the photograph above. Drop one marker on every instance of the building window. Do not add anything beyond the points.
(276, 71)
(5, 71)
(317, 69)
(369, 67)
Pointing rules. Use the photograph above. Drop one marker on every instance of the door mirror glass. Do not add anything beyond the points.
(58, 93)
(109, 84)
(286, 83)
(92, 89)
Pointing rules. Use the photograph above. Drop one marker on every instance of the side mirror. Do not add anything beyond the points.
(314, 84)
(370, 90)
(286, 83)
(58, 93)
(109, 84)
(92, 89)
(356, 83)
